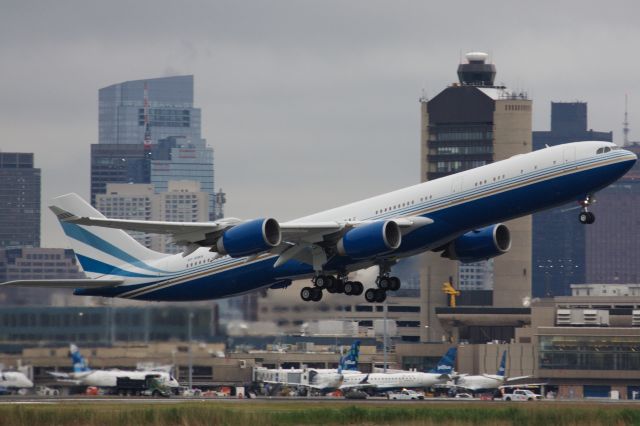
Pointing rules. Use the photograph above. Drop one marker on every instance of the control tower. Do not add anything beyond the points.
(471, 123)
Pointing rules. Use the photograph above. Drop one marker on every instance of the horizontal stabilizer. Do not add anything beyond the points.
(511, 379)
(76, 283)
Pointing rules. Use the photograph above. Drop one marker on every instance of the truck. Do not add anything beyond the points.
(406, 394)
(151, 385)
(521, 395)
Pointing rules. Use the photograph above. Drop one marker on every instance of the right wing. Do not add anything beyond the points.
(63, 283)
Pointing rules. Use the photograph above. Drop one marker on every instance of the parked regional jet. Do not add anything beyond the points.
(83, 375)
(320, 379)
(382, 382)
(459, 215)
(14, 381)
(486, 382)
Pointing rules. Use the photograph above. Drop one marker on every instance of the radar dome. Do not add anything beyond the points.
(476, 56)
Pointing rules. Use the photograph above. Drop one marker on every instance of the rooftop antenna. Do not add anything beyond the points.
(147, 129)
(625, 129)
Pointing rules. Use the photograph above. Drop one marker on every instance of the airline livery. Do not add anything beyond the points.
(459, 215)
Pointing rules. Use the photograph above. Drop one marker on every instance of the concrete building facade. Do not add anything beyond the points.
(469, 124)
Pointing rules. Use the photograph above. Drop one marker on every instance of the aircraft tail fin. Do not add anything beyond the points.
(503, 364)
(79, 363)
(446, 363)
(350, 360)
(102, 251)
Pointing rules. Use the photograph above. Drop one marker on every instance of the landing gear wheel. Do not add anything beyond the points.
(316, 294)
(395, 283)
(350, 288)
(360, 288)
(384, 283)
(331, 284)
(321, 281)
(371, 295)
(586, 218)
(381, 296)
(306, 293)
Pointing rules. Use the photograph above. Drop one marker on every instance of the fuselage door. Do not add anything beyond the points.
(569, 156)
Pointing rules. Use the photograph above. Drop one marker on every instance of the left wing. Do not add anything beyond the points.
(303, 241)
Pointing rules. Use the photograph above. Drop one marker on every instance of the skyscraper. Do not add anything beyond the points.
(469, 124)
(558, 249)
(19, 201)
(149, 132)
(121, 114)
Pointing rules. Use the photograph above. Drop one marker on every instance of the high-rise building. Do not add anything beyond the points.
(118, 163)
(469, 124)
(177, 158)
(183, 202)
(558, 237)
(150, 133)
(19, 201)
(614, 239)
(129, 201)
(169, 110)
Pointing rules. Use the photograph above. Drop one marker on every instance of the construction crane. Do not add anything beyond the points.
(448, 288)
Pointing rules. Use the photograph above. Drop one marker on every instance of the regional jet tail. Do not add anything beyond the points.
(458, 215)
(487, 382)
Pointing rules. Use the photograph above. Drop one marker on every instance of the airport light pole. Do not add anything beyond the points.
(189, 338)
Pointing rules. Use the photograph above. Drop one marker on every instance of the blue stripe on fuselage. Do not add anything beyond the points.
(95, 266)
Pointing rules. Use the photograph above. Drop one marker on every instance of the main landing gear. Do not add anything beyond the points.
(586, 217)
(341, 284)
(332, 285)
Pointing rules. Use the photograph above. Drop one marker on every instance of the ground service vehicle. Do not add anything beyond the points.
(405, 394)
(521, 395)
(149, 386)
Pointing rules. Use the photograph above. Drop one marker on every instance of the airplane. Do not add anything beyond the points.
(458, 215)
(486, 382)
(14, 381)
(84, 376)
(320, 379)
(382, 382)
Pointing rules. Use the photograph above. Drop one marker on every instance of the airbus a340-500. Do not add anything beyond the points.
(459, 215)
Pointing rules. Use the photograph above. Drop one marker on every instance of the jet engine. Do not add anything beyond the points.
(479, 244)
(370, 240)
(249, 238)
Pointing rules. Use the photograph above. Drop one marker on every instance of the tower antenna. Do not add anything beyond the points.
(147, 129)
(625, 129)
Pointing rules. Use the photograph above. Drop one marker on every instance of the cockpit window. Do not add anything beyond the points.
(599, 151)
(607, 149)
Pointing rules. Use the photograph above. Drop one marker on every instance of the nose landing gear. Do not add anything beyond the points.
(586, 217)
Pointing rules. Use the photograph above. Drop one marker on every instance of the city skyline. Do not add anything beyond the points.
(285, 101)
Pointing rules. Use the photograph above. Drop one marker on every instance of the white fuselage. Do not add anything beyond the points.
(14, 380)
(385, 381)
(480, 382)
(109, 378)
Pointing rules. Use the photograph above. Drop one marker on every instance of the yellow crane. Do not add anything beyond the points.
(448, 288)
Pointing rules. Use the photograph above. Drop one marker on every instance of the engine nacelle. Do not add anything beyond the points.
(249, 238)
(370, 240)
(480, 244)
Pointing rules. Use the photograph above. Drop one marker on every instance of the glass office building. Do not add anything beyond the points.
(19, 201)
(121, 110)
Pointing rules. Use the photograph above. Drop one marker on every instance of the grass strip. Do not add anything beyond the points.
(283, 413)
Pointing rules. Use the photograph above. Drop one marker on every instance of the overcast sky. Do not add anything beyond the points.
(308, 105)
